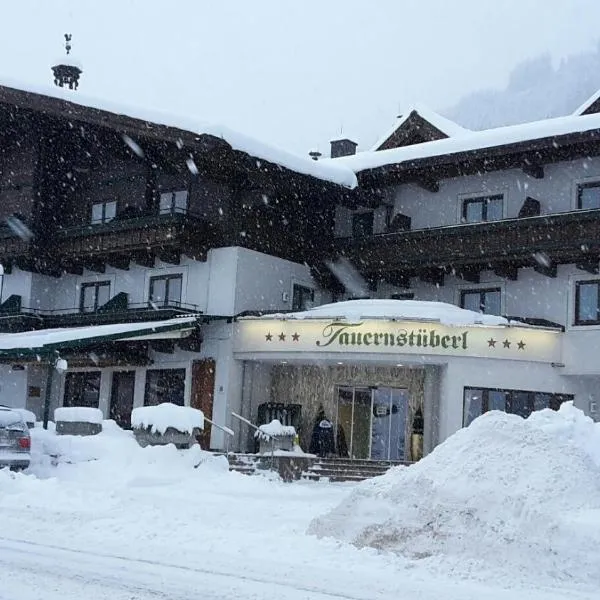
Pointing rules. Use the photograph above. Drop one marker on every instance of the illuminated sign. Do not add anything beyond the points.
(258, 336)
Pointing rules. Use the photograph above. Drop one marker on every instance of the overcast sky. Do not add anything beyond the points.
(293, 73)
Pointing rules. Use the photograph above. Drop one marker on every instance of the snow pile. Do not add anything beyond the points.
(274, 429)
(113, 455)
(505, 494)
(166, 415)
(78, 414)
(28, 416)
(357, 310)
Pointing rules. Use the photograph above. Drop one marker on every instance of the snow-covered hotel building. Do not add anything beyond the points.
(167, 260)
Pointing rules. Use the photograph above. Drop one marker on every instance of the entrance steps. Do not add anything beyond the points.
(312, 468)
(348, 469)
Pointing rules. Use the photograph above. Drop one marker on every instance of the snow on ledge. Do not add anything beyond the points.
(274, 429)
(160, 418)
(397, 310)
(78, 414)
(327, 171)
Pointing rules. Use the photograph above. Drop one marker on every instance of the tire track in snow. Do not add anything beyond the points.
(149, 576)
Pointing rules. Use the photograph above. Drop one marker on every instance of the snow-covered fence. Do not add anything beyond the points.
(78, 420)
(167, 423)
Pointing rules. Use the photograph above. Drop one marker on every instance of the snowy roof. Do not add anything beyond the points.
(48, 339)
(417, 310)
(331, 172)
(587, 104)
(442, 124)
(472, 140)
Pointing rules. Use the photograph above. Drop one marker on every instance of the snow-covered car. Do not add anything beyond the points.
(15, 441)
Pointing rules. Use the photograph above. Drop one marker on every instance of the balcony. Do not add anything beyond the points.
(165, 235)
(13, 247)
(541, 242)
(15, 317)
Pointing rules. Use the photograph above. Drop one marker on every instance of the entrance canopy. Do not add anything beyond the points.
(46, 341)
(389, 328)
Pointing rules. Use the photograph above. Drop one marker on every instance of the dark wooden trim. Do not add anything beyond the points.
(590, 265)
(534, 170)
(547, 270)
(98, 266)
(118, 262)
(506, 271)
(144, 259)
(468, 273)
(169, 255)
(428, 184)
(432, 276)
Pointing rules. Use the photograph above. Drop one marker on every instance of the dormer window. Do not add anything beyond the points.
(588, 195)
(483, 208)
(104, 212)
(173, 202)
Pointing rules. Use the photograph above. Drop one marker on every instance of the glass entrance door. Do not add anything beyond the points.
(388, 423)
(354, 422)
(371, 422)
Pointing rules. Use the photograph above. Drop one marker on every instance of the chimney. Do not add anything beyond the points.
(67, 71)
(315, 154)
(343, 147)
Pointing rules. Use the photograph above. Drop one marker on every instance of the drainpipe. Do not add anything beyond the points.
(60, 364)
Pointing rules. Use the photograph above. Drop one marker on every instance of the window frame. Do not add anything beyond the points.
(166, 302)
(96, 285)
(481, 292)
(103, 219)
(484, 200)
(580, 186)
(173, 208)
(77, 382)
(554, 400)
(179, 373)
(576, 320)
(302, 288)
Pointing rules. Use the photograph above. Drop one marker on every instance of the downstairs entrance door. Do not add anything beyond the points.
(371, 422)
(202, 396)
(121, 398)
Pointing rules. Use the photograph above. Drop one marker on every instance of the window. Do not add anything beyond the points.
(94, 295)
(173, 202)
(82, 389)
(103, 212)
(362, 224)
(485, 208)
(164, 385)
(485, 300)
(588, 195)
(516, 402)
(165, 290)
(402, 296)
(587, 302)
(302, 297)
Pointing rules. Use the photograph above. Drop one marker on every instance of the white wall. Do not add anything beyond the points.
(556, 192)
(13, 386)
(17, 283)
(262, 281)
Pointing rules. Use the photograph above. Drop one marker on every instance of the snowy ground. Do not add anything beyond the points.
(121, 522)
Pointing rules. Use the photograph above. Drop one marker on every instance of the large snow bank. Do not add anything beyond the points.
(166, 415)
(356, 310)
(514, 494)
(78, 414)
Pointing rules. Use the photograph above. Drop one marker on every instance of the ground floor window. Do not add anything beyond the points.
(82, 389)
(165, 385)
(518, 402)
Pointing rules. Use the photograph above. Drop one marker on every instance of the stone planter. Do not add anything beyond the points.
(278, 442)
(181, 440)
(77, 428)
